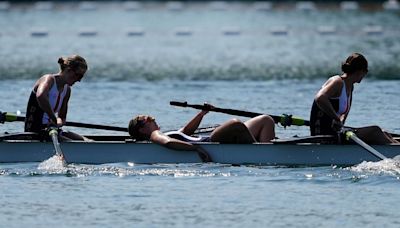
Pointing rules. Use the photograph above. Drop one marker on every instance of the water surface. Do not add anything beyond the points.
(254, 69)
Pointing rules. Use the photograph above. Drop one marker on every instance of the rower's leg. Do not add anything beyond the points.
(262, 127)
(389, 136)
(73, 136)
(374, 135)
(233, 131)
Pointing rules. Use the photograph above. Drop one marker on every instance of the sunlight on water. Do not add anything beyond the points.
(271, 60)
(309, 176)
(167, 170)
(386, 167)
(54, 166)
(362, 171)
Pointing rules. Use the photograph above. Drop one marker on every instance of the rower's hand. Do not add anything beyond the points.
(337, 125)
(57, 124)
(208, 107)
(51, 128)
(60, 122)
(205, 157)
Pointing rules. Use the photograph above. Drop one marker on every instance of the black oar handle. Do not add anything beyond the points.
(96, 126)
(195, 106)
(216, 109)
(285, 120)
(2, 117)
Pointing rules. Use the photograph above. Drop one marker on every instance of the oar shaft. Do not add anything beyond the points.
(96, 126)
(352, 136)
(9, 117)
(53, 133)
(54, 137)
(277, 119)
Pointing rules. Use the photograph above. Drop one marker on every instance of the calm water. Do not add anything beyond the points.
(207, 195)
(254, 71)
(127, 194)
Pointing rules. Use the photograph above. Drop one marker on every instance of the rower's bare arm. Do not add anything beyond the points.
(164, 140)
(194, 123)
(42, 95)
(175, 144)
(171, 143)
(62, 114)
(322, 98)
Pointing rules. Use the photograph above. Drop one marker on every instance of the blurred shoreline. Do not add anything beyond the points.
(182, 40)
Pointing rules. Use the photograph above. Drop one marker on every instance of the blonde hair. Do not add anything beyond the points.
(74, 62)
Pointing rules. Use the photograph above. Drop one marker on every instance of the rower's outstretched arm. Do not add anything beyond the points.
(194, 123)
(171, 143)
(175, 144)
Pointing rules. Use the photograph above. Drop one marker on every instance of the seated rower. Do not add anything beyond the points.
(48, 101)
(257, 129)
(333, 101)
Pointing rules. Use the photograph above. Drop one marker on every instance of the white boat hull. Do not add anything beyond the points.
(307, 154)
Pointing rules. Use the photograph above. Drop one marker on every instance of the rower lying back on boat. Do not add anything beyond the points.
(308, 151)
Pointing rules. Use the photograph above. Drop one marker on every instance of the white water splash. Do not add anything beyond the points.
(386, 166)
(54, 164)
(80, 170)
(309, 176)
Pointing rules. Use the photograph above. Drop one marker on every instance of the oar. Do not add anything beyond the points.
(350, 135)
(96, 126)
(53, 133)
(284, 120)
(10, 117)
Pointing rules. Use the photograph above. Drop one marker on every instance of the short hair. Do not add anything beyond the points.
(354, 62)
(133, 129)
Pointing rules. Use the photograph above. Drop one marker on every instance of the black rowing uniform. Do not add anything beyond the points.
(320, 122)
(36, 119)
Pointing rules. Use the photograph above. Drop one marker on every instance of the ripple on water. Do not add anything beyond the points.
(54, 166)
(389, 167)
(366, 171)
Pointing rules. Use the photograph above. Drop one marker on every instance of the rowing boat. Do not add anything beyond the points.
(308, 151)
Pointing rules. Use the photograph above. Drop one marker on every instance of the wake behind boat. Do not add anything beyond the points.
(307, 151)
